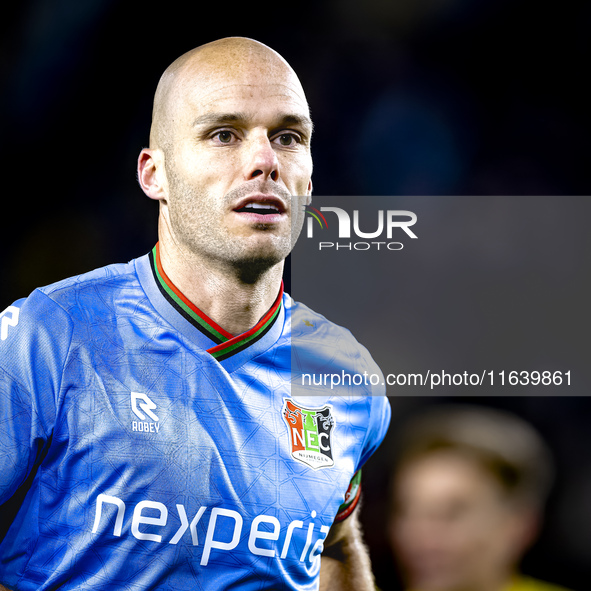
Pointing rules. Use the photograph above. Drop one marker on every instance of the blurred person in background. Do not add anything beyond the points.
(468, 494)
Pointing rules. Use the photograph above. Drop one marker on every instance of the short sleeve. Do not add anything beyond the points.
(379, 422)
(378, 426)
(352, 497)
(34, 338)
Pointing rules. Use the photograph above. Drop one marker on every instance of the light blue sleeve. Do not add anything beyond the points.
(34, 338)
(380, 413)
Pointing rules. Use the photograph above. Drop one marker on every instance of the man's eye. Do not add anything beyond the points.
(224, 137)
(288, 139)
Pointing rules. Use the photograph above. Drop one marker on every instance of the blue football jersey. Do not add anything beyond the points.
(143, 447)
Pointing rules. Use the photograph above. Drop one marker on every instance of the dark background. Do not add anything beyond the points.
(412, 97)
(492, 283)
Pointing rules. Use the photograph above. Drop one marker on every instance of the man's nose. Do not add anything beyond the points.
(261, 159)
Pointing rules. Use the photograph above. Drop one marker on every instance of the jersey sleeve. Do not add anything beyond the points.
(34, 338)
(380, 411)
(352, 497)
(379, 422)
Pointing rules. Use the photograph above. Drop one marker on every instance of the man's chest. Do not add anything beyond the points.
(161, 444)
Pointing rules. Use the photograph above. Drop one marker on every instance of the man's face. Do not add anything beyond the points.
(452, 529)
(240, 153)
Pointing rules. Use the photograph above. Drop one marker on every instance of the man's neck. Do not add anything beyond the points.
(221, 292)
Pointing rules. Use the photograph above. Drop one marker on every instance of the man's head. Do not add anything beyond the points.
(229, 150)
(468, 490)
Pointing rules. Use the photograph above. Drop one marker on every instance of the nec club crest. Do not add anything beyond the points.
(310, 434)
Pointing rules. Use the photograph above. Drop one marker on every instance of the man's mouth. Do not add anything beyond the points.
(259, 208)
(261, 205)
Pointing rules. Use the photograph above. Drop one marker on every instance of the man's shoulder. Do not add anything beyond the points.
(312, 330)
(96, 288)
(305, 321)
(57, 307)
(108, 278)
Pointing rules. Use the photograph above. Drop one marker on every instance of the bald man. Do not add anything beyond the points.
(157, 434)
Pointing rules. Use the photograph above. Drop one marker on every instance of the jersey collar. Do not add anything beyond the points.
(222, 344)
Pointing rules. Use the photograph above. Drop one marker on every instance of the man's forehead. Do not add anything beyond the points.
(231, 75)
(207, 82)
(232, 95)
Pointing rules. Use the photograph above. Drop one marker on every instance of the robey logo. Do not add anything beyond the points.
(269, 540)
(141, 405)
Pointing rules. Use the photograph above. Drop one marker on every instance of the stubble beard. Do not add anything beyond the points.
(199, 231)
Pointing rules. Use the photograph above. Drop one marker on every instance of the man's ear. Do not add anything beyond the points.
(151, 174)
(309, 193)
